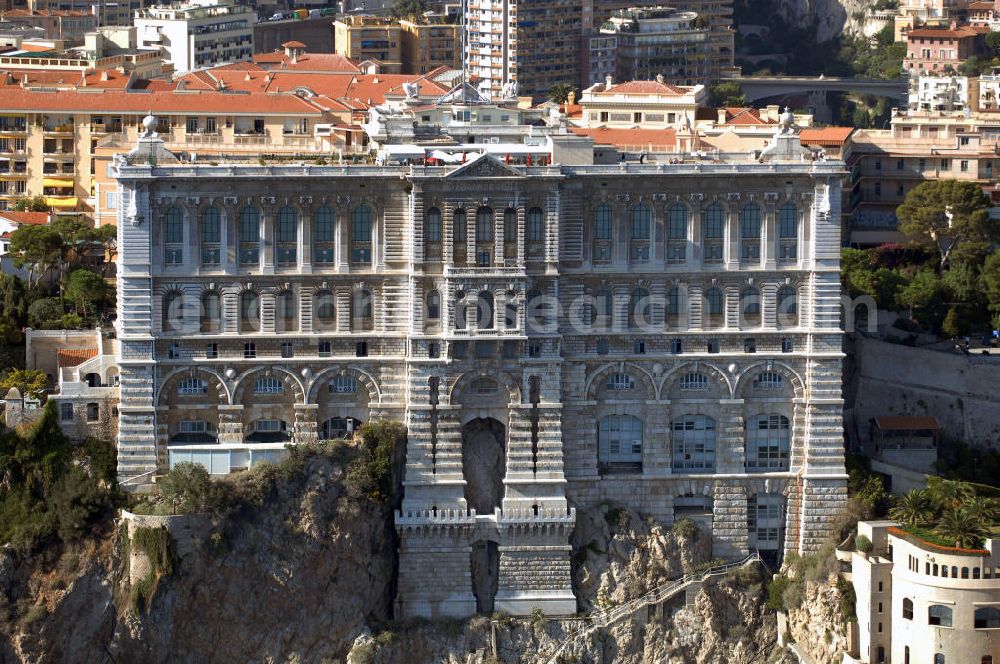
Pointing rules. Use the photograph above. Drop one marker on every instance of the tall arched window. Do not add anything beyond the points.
(249, 311)
(750, 306)
(324, 242)
(713, 232)
(510, 233)
(211, 236)
(432, 233)
(750, 232)
(639, 308)
(677, 229)
(602, 233)
(287, 236)
(285, 312)
(484, 310)
(434, 306)
(325, 310)
(362, 312)
(249, 236)
(907, 608)
(619, 444)
(461, 311)
(788, 232)
(714, 307)
(211, 312)
(603, 309)
(173, 236)
(172, 318)
(361, 235)
(675, 305)
(788, 306)
(484, 236)
(459, 236)
(639, 245)
(768, 443)
(536, 225)
(693, 443)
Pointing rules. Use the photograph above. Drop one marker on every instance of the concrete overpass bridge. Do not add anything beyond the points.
(757, 88)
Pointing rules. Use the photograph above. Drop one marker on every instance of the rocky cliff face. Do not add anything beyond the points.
(308, 577)
(818, 625)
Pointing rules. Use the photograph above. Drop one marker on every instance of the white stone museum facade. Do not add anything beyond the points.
(662, 337)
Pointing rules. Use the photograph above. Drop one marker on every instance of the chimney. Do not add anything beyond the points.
(104, 75)
(608, 82)
(722, 116)
(571, 98)
(659, 79)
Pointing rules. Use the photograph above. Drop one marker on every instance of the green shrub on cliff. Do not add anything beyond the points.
(371, 473)
(51, 489)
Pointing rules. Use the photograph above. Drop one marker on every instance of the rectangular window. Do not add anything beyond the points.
(325, 349)
(287, 349)
(249, 350)
(964, 166)
(66, 412)
(212, 351)
(111, 200)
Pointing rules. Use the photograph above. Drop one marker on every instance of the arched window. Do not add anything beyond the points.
(788, 306)
(173, 311)
(324, 242)
(768, 443)
(362, 314)
(675, 304)
(536, 225)
(484, 310)
(461, 311)
(325, 308)
(694, 381)
(361, 235)
(618, 382)
(249, 236)
(432, 233)
(192, 387)
(713, 232)
(693, 443)
(714, 310)
(788, 232)
(750, 232)
(343, 384)
(987, 617)
(459, 235)
(639, 308)
(677, 230)
(249, 311)
(285, 312)
(939, 614)
(510, 233)
(173, 236)
(211, 236)
(750, 306)
(268, 385)
(602, 222)
(211, 312)
(619, 446)
(907, 608)
(287, 236)
(484, 225)
(433, 306)
(510, 316)
(640, 222)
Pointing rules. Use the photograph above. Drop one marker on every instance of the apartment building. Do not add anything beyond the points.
(940, 50)
(919, 602)
(106, 50)
(651, 104)
(938, 93)
(363, 37)
(651, 42)
(197, 34)
(427, 46)
(267, 305)
(57, 23)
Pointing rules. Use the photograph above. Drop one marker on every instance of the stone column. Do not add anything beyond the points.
(267, 311)
(732, 247)
(306, 429)
(694, 257)
(729, 522)
(305, 239)
(729, 449)
(231, 424)
(769, 235)
(267, 239)
(230, 236)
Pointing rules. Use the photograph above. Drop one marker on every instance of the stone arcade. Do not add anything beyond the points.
(660, 336)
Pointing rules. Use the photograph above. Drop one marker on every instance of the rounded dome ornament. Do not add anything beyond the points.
(230, 373)
(733, 368)
(149, 124)
(307, 373)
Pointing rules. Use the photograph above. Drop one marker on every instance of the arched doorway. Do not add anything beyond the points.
(483, 463)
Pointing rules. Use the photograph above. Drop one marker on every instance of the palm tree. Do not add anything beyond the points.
(963, 528)
(559, 93)
(948, 494)
(912, 508)
(983, 508)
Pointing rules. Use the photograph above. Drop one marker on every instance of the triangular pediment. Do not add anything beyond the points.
(484, 166)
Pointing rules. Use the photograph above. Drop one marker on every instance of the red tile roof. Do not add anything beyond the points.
(737, 115)
(328, 62)
(907, 422)
(71, 357)
(105, 101)
(28, 13)
(64, 79)
(293, 44)
(826, 136)
(662, 139)
(980, 5)
(645, 88)
(30, 218)
(958, 33)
